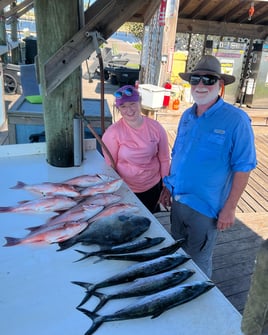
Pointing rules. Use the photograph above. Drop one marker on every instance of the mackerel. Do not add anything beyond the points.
(151, 305)
(145, 286)
(145, 256)
(143, 269)
(146, 242)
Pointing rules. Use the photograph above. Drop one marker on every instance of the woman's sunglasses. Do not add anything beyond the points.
(207, 79)
(128, 92)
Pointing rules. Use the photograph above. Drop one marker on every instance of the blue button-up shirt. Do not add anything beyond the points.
(208, 150)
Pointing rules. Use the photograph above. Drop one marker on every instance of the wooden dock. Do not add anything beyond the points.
(235, 252)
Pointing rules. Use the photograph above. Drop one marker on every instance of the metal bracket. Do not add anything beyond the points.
(97, 39)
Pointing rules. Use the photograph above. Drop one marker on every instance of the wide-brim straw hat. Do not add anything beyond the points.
(210, 65)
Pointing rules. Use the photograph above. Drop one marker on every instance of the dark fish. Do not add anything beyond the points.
(151, 305)
(145, 286)
(143, 269)
(144, 256)
(147, 242)
(112, 230)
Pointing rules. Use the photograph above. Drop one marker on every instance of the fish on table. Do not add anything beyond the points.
(117, 208)
(142, 269)
(48, 188)
(151, 305)
(42, 205)
(88, 180)
(104, 199)
(145, 286)
(86, 208)
(146, 242)
(77, 213)
(105, 187)
(48, 235)
(144, 256)
(113, 230)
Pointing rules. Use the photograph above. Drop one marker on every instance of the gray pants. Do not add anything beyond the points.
(199, 231)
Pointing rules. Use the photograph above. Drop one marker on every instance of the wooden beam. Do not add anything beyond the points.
(5, 3)
(20, 13)
(98, 18)
(16, 9)
(222, 28)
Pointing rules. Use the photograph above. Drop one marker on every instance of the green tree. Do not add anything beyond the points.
(135, 29)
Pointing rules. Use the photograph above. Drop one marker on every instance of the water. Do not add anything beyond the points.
(126, 37)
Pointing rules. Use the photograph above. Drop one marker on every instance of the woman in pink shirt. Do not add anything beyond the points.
(139, 148)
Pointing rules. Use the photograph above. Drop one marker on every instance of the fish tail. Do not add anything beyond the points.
(83, 284)
(103, 300)
(97, 320)
(18, 186)
(6, 209)
(10, 241)
(86, 298)
(86, 255)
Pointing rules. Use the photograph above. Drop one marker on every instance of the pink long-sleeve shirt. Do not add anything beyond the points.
(141, 154)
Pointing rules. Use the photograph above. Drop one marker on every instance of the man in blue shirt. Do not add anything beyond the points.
(212, 157)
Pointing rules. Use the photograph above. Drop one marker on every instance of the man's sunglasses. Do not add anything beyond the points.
(207, 79)
(128, 92)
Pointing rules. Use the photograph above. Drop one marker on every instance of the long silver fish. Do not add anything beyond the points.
(145, 243)
(143, 269)
(151, 305)
(145, 256)
(113, 230)
(145, 286)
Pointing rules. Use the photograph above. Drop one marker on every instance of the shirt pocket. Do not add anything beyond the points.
(212, 147)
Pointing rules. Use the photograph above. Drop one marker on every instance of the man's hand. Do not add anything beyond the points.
(165, 198)
(226, 218)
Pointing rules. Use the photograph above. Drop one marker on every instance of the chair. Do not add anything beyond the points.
(29, 80)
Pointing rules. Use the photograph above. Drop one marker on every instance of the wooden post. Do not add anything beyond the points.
(3, 40)
(56, 22)
(255, 316)
(168, 41)
(15, 55)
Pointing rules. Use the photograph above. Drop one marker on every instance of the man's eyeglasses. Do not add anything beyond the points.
(128, 92)
(207, 79)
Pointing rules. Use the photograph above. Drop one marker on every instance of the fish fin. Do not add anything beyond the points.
(155, 315)
(23, 202)
(100, 259)
(10, 241)
(66, 244)
(32, 229)
(18, 186)
(97, 320)
(6, 209)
